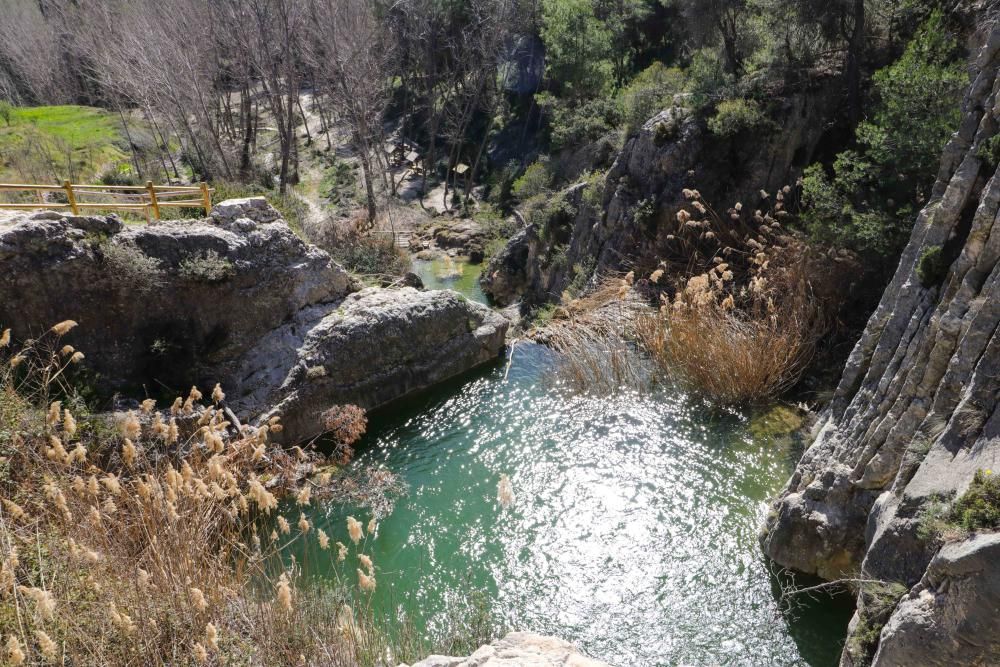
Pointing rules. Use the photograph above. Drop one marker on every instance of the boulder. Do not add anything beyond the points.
(174, 302)
(950, 617)
(374, 347)
(518, 649)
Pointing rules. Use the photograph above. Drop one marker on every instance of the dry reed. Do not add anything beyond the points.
(146, 541)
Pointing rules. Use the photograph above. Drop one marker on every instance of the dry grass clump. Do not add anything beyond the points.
(596, 336)
(744, 320)
(149, 539)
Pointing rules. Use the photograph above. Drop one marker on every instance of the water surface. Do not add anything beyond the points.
(632, 533)
(451, 273)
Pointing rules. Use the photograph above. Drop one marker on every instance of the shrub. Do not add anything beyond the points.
(499, 229)
(730, 356)
(131, 268)
(154, 540)
(651, 91)
(368, 255)
(572, 124)
(207, 267)
(6, 112)
(119, 174)
(738, 116)
(979, 507)
(744, 328)
(869, 201)
(708, 80)
(989, 151)
(535, 180)
(931, 267)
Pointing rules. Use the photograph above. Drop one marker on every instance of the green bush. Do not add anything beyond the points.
(989, 151)
(871, 198)
(207, 267)
(707, 78)
(499, 229)
(131, 267)
(651, 91)
(572, 125)
(733, 117)
(534, 181)
(6, 112)
(368, 255)
(931, 268)
(979, 507)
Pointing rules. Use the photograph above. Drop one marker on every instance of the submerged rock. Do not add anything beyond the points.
(518, 649)
(916, 414)
(236, 298)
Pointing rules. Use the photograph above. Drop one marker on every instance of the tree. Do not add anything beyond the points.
(577, 48)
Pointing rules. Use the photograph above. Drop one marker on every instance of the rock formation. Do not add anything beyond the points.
(375, 346)
(238, 299)
(518, 649)
(642, 191)
(915, 415)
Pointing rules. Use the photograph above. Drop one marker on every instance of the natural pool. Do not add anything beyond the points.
(633, 531)
(451, 273)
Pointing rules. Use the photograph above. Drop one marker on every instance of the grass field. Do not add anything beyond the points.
(49, 144)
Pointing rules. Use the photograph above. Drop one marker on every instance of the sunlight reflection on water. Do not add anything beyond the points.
(633, 530)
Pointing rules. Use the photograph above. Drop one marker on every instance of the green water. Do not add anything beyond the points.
(632, 533)
(451, 273)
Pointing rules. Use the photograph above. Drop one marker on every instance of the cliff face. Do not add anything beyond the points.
(642, 191)
(914, 417)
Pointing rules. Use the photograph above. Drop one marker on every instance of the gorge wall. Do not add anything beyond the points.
(915, 416)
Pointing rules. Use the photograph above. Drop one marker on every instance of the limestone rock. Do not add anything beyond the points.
(518, 649)
(950, 617)
(916, 413)
(236, 299)
(642, 191)
(375, 346)
(157, 302)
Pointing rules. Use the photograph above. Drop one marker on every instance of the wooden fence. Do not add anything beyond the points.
(147, 198)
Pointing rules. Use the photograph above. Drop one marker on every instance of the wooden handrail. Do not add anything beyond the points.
(149, 198)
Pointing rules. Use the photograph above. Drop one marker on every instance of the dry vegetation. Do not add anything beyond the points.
(742, 306)
(745, 319)
(155, 537)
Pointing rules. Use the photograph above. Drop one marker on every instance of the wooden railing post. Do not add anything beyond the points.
(70, 197)
(206, 198)
(152, 199)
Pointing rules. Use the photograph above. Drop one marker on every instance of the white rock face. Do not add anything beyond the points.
(518, 649)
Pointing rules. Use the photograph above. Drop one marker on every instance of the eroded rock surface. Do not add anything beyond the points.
(916, 414)
(518, 649)
(377, 345)
(236, 298)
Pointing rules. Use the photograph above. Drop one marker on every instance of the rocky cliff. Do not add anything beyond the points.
(236, 298)
(632, 218)
(914, 417)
